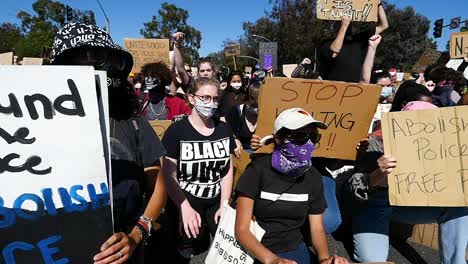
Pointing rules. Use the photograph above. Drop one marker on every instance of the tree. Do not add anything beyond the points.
(10, 34)
(293, 24)
(405, 40)
(39, 30)
(172, 19)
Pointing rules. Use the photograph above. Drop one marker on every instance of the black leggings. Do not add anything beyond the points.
(207, 209)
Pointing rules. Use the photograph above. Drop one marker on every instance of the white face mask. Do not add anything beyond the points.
(205, 110)
(236, 86)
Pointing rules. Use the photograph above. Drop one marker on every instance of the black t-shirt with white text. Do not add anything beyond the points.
(281, 203)
(202, 160)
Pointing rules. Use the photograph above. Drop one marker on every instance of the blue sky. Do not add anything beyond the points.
(216, 19)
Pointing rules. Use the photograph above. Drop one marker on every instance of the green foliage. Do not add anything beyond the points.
(10, 34)
(172, 19)
(293, 24)
(405, 40)
(38, 30)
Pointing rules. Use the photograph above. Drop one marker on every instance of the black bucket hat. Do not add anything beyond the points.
(76, 35)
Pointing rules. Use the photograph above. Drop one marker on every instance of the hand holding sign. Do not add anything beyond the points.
(386, 164)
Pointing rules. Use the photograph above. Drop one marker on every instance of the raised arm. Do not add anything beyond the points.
(383, 22)
(179, 58)
(337, 44)
(366, 71)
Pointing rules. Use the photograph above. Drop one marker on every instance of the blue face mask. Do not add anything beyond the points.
(386, 91)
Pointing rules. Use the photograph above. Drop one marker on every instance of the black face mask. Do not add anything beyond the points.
(115, 77)
(156, 88)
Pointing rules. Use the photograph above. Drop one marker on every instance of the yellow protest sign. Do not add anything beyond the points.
(147, 51)
(431, 148)
(356, 10)
(6, 58)
(458, 45)
(160, 126)
(347, 109)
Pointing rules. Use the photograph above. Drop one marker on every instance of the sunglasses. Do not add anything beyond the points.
(301, 137)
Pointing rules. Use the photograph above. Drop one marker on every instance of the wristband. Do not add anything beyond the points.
(143, 233)
(147, 222)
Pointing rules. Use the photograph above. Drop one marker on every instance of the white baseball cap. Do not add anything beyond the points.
(295, 118)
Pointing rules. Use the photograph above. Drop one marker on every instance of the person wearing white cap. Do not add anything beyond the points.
(283, 190)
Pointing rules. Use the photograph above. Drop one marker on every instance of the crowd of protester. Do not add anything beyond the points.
(211, 125)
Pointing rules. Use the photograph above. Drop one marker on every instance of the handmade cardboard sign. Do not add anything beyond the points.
(6, 58)
(239, 165)
(232, 49)
(431, 148)
(429, 57)
(356, 10)
(147, 51)
(52, 167)
(458, 45)
(32, 61)
(160, 126)
(347, 109)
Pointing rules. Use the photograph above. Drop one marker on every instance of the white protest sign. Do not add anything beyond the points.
(52, 165)
(225, 248)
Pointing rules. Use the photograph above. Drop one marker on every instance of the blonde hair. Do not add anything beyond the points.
(202, 82)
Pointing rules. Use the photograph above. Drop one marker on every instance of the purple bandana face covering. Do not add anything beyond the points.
(291, 159)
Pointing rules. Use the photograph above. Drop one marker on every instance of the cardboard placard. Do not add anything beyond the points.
(52, 166)
(6, 58)
(288, 69)
(429, 57)
(431, 148)
(356, 10)
(458, 45)
(239, 165)
(426, 234)
(347, 109)
(147, 51)
(160, 126)
(32, 61)
(232, 49)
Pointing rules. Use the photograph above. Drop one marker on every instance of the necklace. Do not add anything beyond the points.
(161, 110)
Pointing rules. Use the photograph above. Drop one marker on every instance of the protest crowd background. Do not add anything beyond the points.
(348, 127)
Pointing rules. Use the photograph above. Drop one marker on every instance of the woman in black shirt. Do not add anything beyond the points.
(283, 191)
(243, 118)
(198, 166)
(233, 95)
